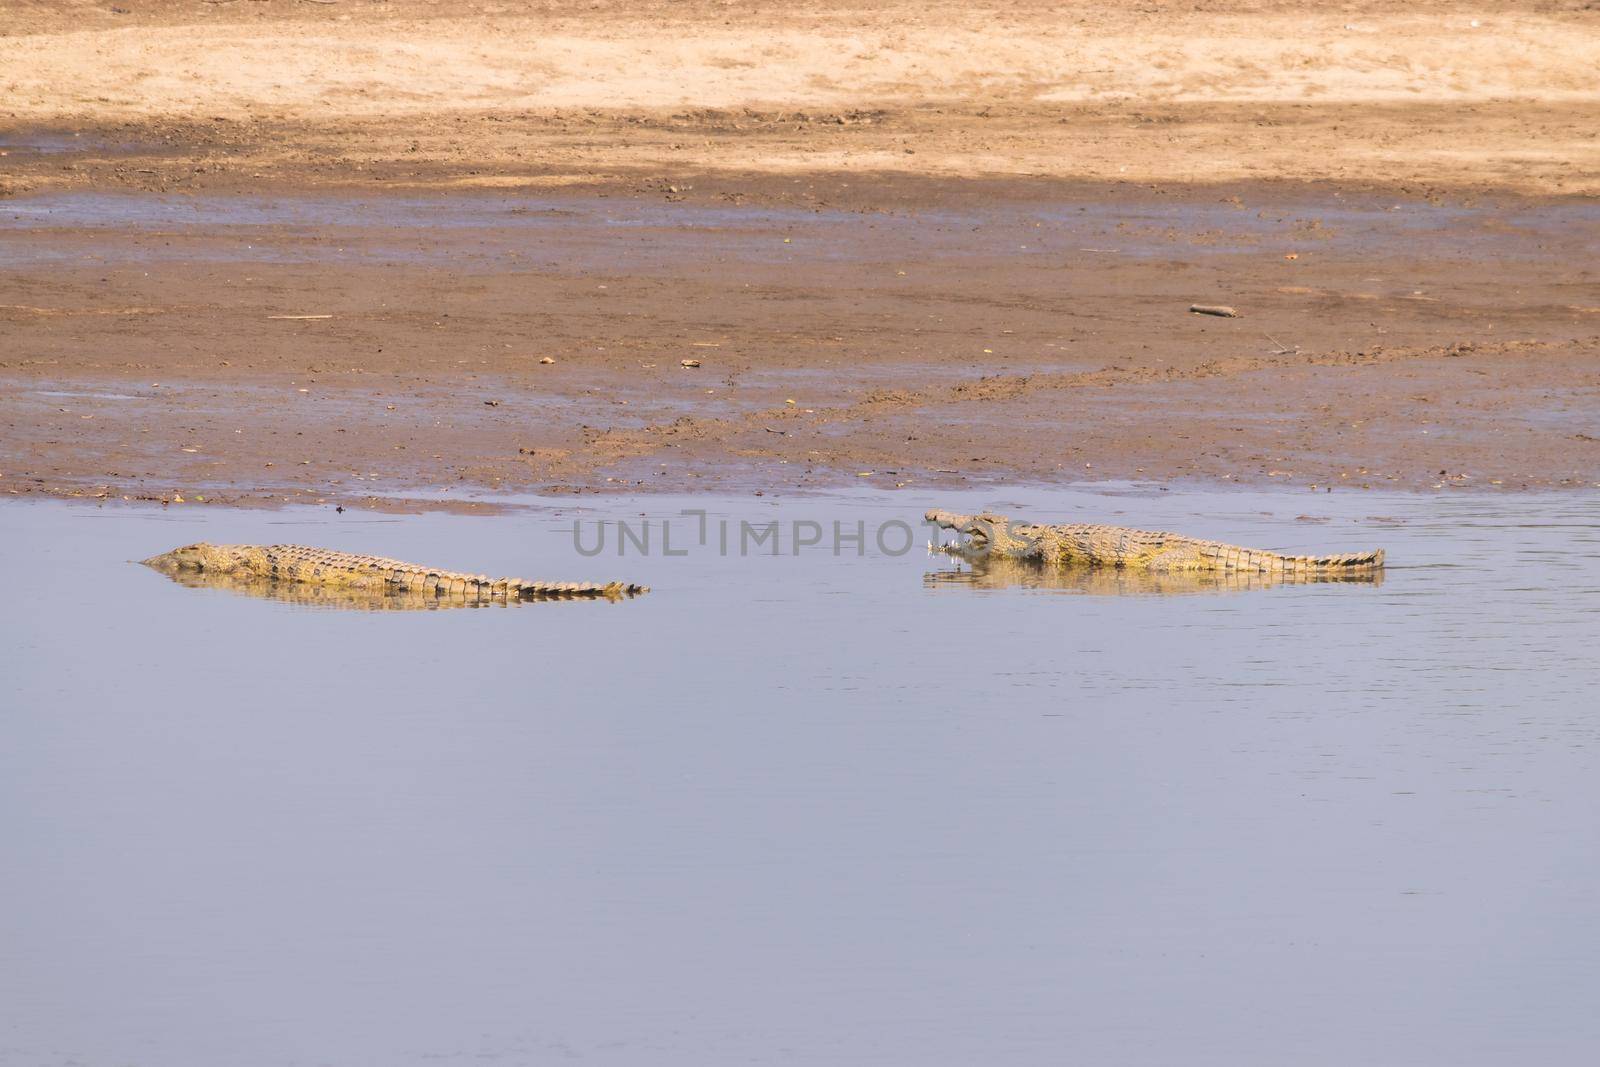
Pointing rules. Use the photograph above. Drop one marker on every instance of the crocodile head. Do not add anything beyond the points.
(980, 535)
(195, 557)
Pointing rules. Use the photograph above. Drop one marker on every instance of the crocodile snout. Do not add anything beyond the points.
(947, 520)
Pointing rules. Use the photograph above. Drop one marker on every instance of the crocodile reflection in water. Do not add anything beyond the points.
(996, 574)
(336, 598)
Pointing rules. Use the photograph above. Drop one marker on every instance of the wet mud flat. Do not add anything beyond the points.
(814, 807)
(309, 346)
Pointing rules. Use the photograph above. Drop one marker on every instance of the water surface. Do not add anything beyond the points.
(807, 809)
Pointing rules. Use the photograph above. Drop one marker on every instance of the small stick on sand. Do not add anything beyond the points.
(1214, 309)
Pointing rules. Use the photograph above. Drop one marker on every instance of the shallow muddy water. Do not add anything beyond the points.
(815, 808)
(548, 231)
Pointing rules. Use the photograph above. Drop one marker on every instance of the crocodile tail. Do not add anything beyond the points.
(525, 590)
(1350, 561)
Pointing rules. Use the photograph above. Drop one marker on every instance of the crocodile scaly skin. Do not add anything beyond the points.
(298, 564)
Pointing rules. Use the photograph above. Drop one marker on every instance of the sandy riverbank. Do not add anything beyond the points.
(963, 242)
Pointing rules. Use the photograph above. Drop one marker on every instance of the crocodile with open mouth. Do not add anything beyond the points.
(1081, 544)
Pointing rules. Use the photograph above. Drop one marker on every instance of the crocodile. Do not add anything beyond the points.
(362, 580)
(989, 536)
